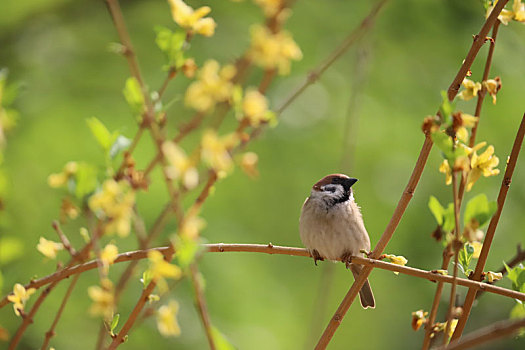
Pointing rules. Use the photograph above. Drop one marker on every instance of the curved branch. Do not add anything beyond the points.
(272, 249)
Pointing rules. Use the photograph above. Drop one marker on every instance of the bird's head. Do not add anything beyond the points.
(333, 189)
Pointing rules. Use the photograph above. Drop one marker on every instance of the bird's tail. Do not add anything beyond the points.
(365, 294)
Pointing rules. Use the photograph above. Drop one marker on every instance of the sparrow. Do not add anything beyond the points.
(331, 227)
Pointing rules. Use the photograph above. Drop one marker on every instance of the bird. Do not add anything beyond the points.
(331, 227)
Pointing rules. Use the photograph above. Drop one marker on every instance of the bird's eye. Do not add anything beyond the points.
(329, 188)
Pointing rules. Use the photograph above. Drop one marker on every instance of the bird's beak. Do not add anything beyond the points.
(350, 181)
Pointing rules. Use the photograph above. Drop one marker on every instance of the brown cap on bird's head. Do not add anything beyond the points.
(341, 179)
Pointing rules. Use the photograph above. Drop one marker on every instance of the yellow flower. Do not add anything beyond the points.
(103, 300)
(108, 255)
(445, 169)
(115, 204)
(249, 162)
(519, 10)
(492, 86)
(49, 248)
(494, 276)
(215, 152)
(396, 259)
(419, 318)
(60, 179)
(517, 13)
(255, 107)
(471, 89)
(453, 324)
(161, 268)
(482, 165)
(19, 297)
(180, 165)
(477, 248)
(191, 19)
(167, 319)
(213, 85)
(270, 7)
(273, 50)
(192, 226)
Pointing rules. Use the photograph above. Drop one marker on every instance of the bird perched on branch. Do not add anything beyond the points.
(331, 226)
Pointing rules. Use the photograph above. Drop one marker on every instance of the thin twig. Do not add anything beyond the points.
(201, 305)
(484, 335)
(505, 185)
(447, 254)
(456, 244)
(51, 332)
(120, 337)
(409, 190)
(63, 239)
(351, 39)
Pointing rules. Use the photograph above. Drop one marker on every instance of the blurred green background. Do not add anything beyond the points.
(58, 49)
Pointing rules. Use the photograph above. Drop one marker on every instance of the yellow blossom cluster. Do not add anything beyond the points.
(464, 121)
(255, 107)
(270, 7)
(471, 89)
(215, 151)
(180, 166)
(167, 319)
(108, 256)
(49, 248)
(19, 297)
(192, 20)
(160, 269)
(114, 203)
(103, 300)
(192, 226)
(517, 13)
(214, 85)
(478, 165)
(248, 164)
(273, 50)
(60, 179)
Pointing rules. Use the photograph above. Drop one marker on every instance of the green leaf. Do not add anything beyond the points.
(437, 209)
(11, 249)
(171, 44)
(464, 258)
(85, 180)
(449, 219)
(479, 209)
(147, 276)
(104, 138)
(186, 250)
(220, 340)
(121, 143)
(133, 95)
(518, 311)
(446, 108)
(517, 276)
(114, 322)
(445, 144)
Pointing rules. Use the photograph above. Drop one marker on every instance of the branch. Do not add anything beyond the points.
(479, 40)
(505, 184)
(456, 246)
(484, 335)
(518, 258)
(201, 305)
(51, 332)
(409, 190)
(472, 140)
(272, 249)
